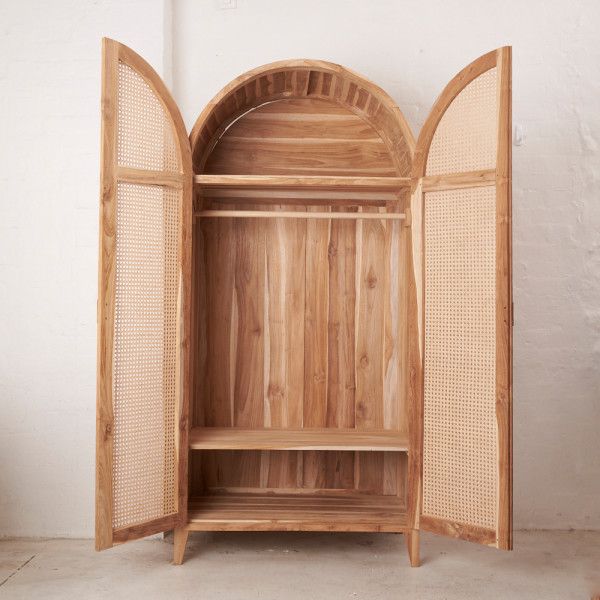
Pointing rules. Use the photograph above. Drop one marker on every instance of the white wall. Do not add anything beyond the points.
(49, 119)
(49, 160)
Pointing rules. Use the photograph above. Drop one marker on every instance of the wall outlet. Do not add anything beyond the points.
(519, 134)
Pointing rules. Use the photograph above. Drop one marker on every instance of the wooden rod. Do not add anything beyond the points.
(298, 181)
(273, 214)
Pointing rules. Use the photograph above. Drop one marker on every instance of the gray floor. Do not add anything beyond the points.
(289, 566)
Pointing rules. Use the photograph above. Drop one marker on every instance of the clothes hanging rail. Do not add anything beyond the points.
(252, 214)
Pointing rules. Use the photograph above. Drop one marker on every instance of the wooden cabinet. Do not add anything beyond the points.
(304, 316)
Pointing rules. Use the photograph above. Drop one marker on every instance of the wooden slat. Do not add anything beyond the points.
(284, 341)
(106, 300)
(146, 177)
(315, 182)
(504, 301)
(270, 214)
(297, 513)
(455, 181)
(248, 388)
(300, 195)
(315, 347)
(237, 438)
(216, 307)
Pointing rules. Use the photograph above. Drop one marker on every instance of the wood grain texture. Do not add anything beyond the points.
(106, 299)
(415, 335)
(354, 512)
(180, 537)
(504, 300)
(271, 214)
(454, 181)
(288, 438)
(310, 182)
(412, 545)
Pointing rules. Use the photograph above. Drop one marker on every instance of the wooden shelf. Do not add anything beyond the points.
(291, 512)
(234, 438)
(299, 189)
(288, 182)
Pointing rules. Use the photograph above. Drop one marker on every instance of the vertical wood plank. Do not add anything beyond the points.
(415, 322)
(504, 301)
(249, 289)
(341, 384)
(219, 241)
(371, 278)
(315, 343)
(106, 299)
(369, 346)
(284, 340)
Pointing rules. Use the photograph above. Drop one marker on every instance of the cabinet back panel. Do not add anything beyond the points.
(302, 323)
(301, 137)
(233, 471)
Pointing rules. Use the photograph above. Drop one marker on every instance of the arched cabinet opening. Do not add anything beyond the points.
(300, 319)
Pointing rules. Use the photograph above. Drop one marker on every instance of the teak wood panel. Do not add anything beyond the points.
(297, 137)
(466, 224)
(144, 303)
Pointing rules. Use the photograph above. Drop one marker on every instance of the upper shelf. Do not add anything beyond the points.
(302, 188)
(236, 438)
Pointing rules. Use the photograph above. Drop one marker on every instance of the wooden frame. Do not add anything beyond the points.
(356, 191)
(111, 173)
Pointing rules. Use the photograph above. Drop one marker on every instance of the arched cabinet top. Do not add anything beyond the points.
(304, 79)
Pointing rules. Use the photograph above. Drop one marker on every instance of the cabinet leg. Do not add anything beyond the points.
(412, 545)
(179, 540)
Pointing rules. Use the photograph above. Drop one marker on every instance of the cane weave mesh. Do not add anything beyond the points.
(460, 435)
(466, 136)
(145, 137)
(144, 394)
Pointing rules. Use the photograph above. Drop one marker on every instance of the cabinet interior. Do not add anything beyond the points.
(299, 324)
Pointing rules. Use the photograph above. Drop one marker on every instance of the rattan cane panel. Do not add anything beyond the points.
(145, 137)
(460, 430)
(144, 397)
(466, 136)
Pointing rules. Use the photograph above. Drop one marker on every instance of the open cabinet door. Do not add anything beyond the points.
(143, 304)
(461, 207)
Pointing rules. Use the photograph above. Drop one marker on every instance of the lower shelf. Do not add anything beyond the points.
(254, 512)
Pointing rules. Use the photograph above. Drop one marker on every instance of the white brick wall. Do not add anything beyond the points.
(49, 123)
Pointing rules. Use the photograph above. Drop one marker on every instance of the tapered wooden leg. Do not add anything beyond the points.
(179, 540)
(412, 544)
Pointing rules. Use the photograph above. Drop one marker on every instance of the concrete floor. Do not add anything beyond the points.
(307, 566)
